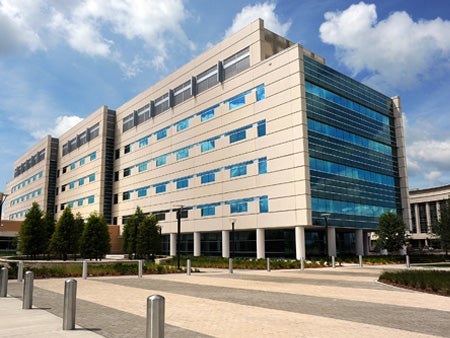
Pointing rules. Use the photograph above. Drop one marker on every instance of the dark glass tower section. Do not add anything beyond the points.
(352, 147)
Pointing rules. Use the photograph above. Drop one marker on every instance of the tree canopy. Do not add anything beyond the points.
(130, 230)
(391, 232)
(148, 238)
(33, 234)
(64, 241)
(441, 228)
(95, 239)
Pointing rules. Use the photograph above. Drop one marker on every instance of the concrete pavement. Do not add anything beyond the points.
(341, 302)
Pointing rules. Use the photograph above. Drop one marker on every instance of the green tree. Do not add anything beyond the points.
(78, 231)
(49, 226)
(62, 243)
(95, 240)
(148, 238)
(32, 235)
(129, 233)
(391, 232)
(441, 228)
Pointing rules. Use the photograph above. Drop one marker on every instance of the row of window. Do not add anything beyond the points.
(205, 115)
(205, 80)
(207, 145)
(26, 197)
(351, 172)
(79, 140)
(90, 178)
(27, 181)
(80, 162)
(347, 208)
(343, 135)
(30, 162)
(19, 214)
(328, 77)
(235, 170)
(342, 101)
(79, 202)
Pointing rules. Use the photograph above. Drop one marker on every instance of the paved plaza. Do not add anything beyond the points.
(341, 302)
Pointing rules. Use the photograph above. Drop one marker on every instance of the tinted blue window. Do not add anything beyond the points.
(182, 183)
(237, 136)
(261, 128)
(81, 181)
(207, 145)
(161, 134)
(91, 177)
(91, 199)
(82, 161)
(237, 102)
(161, 160)
(263, 204)
(143, 142)
(160, 188)
(182, 125)
(142, 192)
(72, 166)
(208, 211)
(93, 156)
(209, 114)
(183, 153)
(262, 165)
(260, 93)
(72, 185)
(208, 177)
(238, 206)
(80, 203)
(142, 167)
(238, 170)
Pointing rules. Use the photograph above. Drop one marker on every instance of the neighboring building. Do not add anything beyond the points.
(425, 210)
(255, 134)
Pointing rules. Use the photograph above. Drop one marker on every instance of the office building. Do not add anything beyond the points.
(267, 151)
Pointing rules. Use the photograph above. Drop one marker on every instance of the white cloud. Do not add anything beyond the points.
(265, 11)
(395, 51)
(62, 124)
(97, 28)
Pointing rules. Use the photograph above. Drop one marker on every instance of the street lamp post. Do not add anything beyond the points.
(326, 216)
(233, 240)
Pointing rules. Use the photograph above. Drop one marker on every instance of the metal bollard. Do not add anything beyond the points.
(360, 261)
(140, 268)
(70, 303)
(230, 265)
(188, 267)
(408, 265)
(333, 262)
(4, 282)
(155, 316)
(27, 301)
(268, 264)
(84, 274)
(302, 264)
(20, 272)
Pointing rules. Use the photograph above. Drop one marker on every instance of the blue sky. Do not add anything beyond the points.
(61, 60)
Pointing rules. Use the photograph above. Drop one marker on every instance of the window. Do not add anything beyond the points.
(142, 192)
(182, 125)
(183, 153)
(143, 142)
(238, 170)
(262, 165)
(161, 134)
(206, 115)
(208, 177)
(82, 161)
(63, 187)
(80, 202)
(182, 183)
(125, 195)
(93, 156)
(91, 199)
(81, 181)
(117, 154)
(116, 176)
(64, 170)
(71, 185)
(208, 210)
(126, 172)
(263, 204)
(260, 93)
(238, 135)
(142, 167)
(91, 178)
(127, 149)
(160, 188)
(72, 166)
(238, 206)
(237, 101)
(207, 145)
(261, 128)
(116, 198)
(161, 160)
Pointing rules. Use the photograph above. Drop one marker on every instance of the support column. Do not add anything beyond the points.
(331, 237)
(300, 251)
(197, 244)
(226, 244)
(359, 242)
(260, 243)
(173, 244)
(366, 243)
(428, 213)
